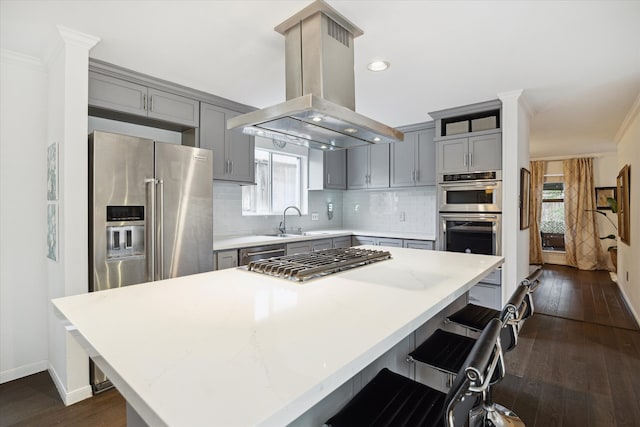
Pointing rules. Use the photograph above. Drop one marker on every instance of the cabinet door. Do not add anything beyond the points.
(118, 95)
(363, 240)
(240, 149)
(394, 243)
(485, 295)
(318, 245)
(173, 108)
(342, 242)
(452, 155)
(426, 158)
(298, 248)
(357, 167)
(485, 152)
(227, 259)
(212, 136)
(403, 161)
(335, 173)
(378, 166)
(418, 244)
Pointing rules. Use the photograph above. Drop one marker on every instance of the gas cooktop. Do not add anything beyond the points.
(305, 266)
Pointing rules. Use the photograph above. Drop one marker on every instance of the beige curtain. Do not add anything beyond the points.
(582, 244)
(535, 211)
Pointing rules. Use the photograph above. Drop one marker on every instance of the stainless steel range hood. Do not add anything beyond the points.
(319, 111)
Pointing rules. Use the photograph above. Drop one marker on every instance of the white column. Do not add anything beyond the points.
(67, 125)
(515, 155)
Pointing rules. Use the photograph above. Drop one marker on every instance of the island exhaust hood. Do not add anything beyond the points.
(319, 64)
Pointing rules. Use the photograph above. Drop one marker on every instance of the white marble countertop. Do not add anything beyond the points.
(236, 348)
(236, 242)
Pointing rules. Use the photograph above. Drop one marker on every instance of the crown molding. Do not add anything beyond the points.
(14, 56)
(631, 115)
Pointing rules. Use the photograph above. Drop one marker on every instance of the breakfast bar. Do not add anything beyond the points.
(237, 348)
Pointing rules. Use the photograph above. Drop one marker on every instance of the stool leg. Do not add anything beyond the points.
(498, 415)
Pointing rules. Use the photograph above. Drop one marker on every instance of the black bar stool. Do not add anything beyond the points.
(390, 399)
(475, 317)
(446, 351)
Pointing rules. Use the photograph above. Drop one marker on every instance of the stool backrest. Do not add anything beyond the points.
(514, 311)
(464, 400)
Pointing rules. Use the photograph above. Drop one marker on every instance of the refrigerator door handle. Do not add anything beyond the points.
(161, 228)
(150, 248)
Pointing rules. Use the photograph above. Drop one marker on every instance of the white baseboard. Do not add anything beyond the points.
(626, 299)
(69, 397)
(23, 371)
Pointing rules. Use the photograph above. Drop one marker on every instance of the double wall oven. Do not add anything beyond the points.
(470, 207)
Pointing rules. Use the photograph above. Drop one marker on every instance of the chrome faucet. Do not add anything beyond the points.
(283, 223)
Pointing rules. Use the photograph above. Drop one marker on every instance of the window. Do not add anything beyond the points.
(552, 225)
(279, 183)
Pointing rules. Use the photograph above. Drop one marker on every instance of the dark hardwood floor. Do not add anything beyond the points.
(577, 363)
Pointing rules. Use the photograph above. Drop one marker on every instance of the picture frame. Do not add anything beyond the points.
(525, 189)
(602, 193)
(52, 231)
(622, 185)
(52, 172)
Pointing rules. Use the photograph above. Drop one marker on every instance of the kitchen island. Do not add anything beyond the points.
(236, 348)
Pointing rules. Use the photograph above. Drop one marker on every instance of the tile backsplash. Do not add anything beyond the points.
(229, 221)
(402, 210)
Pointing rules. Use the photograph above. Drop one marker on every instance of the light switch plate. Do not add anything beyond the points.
(315, 216)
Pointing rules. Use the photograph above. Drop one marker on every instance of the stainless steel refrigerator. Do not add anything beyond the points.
(151, 214)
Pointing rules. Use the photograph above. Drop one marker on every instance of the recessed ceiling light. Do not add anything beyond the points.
(317, 119)
(378, 65)
(376, 139)
(351, 130)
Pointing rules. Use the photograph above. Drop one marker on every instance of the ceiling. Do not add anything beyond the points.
(577, 61)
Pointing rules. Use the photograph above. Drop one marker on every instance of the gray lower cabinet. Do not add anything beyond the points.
(309, 246)
(233, 151)
(368, 167)
(226, 259)
(122, 96)
(418, 244)
(412, 161)
(487, 295)
(470, 154)
(342, 242)
(376, 241)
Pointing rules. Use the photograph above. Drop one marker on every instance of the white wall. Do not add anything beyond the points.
(629, 255)
(515, 155)
(67, 125)
(23, 281)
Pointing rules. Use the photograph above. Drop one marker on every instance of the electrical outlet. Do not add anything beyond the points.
(402, 217)
(315, 216)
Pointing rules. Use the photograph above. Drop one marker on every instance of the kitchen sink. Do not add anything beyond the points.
(308, 233)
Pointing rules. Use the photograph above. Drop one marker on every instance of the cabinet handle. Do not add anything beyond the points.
(144, 102)
(470, 159)
(151, 103)
(230, 166)
(464, 159)
(328, 178)
(416, 175)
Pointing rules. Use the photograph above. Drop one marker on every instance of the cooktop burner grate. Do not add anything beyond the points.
(300, 267)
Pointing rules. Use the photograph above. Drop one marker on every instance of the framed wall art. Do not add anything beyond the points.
(623, 181)
(52, 172)
(525, 189)
(602, 194)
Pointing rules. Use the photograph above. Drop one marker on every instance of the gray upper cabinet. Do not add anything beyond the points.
(122, 96)
(335, 169)
(412, 160)
(470, 154)
(368, 167)
(233, 151)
